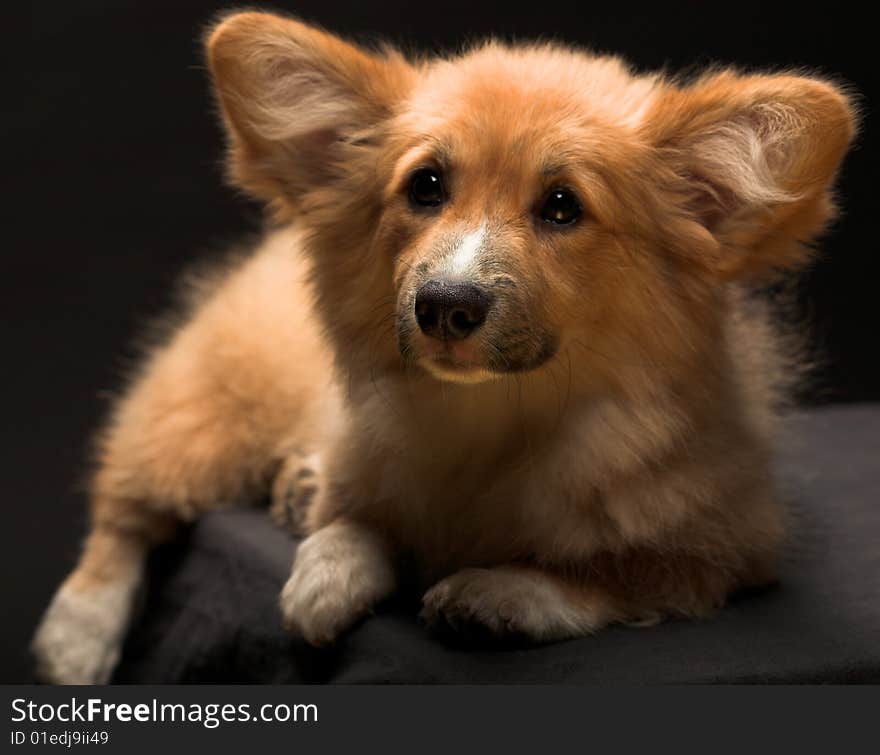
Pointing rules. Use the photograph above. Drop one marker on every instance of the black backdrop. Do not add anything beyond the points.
(111, 184)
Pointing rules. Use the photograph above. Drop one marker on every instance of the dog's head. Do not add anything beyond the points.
(482, 215)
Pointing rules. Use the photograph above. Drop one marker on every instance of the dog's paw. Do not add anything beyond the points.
(339, 574)
(294, 489)
(507, 601)
(80, 636)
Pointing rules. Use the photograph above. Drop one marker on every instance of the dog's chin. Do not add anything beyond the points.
(451, 371)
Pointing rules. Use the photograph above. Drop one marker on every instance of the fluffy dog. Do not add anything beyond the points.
(500, 333)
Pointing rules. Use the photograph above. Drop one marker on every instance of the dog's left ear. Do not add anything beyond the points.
(753, 159)
(296, 102)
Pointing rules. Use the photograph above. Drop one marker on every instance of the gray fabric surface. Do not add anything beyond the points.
(211, 614)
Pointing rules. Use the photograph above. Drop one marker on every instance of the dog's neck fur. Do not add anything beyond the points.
(532, 412)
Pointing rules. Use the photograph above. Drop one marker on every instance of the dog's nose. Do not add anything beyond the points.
(450, 311)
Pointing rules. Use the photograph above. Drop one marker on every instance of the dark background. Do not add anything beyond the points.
(111, 184)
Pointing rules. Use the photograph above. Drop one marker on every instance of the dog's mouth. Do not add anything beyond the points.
(458, 362)
(474, 360)
(450, 363)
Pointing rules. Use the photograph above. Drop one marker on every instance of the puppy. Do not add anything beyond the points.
(500, 333)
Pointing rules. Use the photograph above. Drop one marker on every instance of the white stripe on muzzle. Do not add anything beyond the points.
(467, 252)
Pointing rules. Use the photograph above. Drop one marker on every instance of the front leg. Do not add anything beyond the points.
(639, 587)
(518, 600)
(339, 574)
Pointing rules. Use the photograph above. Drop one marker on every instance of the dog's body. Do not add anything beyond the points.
(499, 336)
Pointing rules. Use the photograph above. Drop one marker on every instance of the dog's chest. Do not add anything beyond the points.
(475, 513)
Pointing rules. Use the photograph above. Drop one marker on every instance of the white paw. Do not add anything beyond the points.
(509, 601)
(80, 636)
(339, 573)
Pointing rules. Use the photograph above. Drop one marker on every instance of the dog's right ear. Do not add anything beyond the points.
(295, 101)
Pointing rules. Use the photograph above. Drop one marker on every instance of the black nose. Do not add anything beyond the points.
(450, 311)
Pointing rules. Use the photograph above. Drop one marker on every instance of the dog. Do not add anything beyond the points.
(500, 340)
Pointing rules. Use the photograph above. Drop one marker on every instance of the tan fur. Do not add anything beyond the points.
(625, 478)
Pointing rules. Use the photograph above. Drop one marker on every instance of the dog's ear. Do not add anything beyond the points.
(753, 159)
(296, 100)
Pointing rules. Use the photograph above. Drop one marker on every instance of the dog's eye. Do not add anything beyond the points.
(561, 207)
(426, 188)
